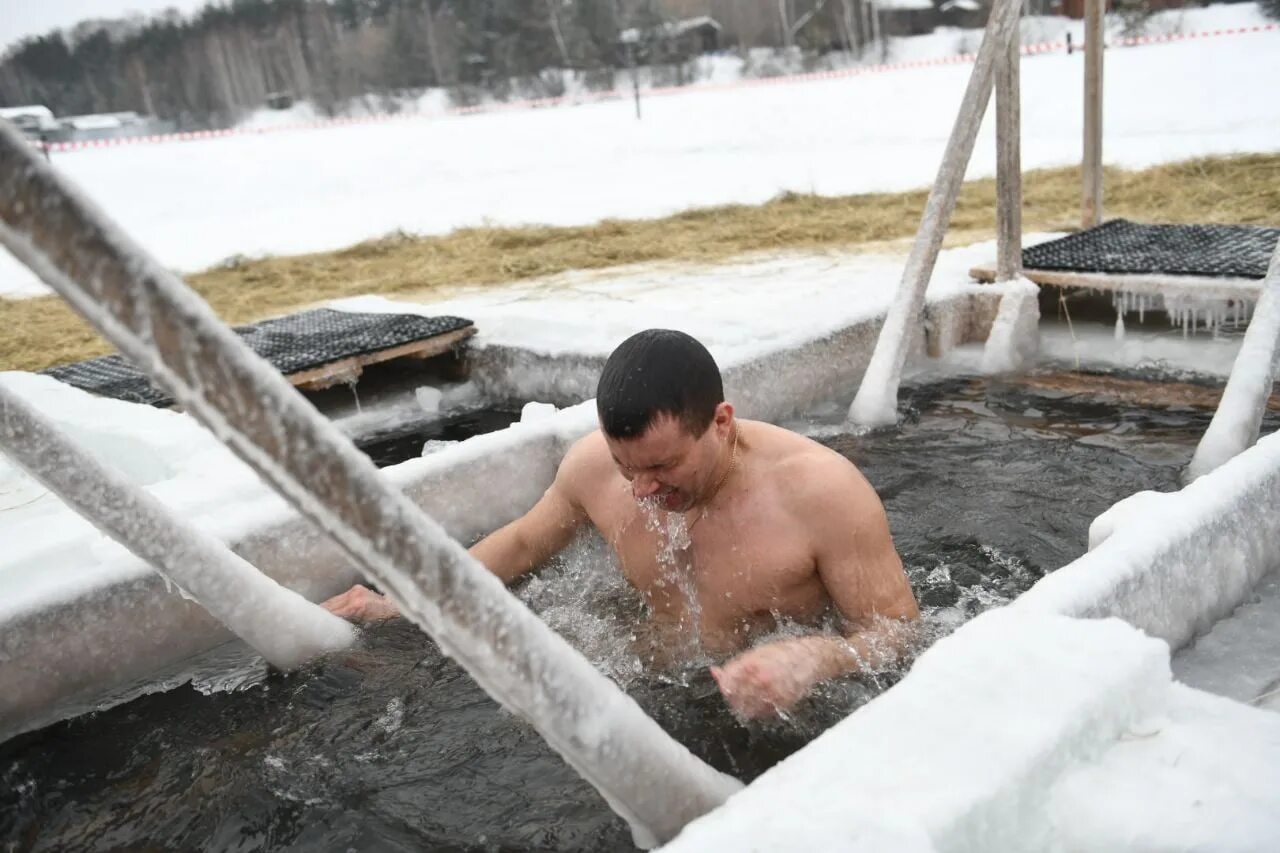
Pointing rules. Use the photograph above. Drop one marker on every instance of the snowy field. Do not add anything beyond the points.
(196, 204)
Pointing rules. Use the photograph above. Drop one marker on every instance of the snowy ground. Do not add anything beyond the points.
(195, 204)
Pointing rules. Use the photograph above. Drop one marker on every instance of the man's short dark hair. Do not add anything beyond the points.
(658, 372)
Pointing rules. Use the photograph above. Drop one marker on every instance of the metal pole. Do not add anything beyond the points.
(635, 79)
(1238, 419)
(656, 784)
(281, 625)
(876, 402)
(1009, 164)
(1092, 164)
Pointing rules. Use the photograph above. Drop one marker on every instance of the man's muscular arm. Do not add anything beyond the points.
(862, 573)
(509, 552)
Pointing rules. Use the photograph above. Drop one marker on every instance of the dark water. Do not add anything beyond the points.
(392, 747)
(393, 447)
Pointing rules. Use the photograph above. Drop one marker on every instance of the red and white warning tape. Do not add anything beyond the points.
(615, 94)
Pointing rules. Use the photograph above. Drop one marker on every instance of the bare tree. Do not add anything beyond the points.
(784, 18)
(554, 20)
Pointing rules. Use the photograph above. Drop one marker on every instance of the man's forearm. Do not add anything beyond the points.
(505, 554)
(865, 650)
(772, 678)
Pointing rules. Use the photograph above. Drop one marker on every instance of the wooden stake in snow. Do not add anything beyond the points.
(1009, 163)
(1091, 166)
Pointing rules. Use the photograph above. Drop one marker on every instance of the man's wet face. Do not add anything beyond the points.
(666, 464)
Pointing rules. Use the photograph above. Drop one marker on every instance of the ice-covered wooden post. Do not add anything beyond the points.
(876, 401)
(1091, 165)
(1009, 161)
(1014, 336)
(1237, 421)
(166, 329)
(281, 625)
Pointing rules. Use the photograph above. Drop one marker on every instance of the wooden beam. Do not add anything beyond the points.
(1009, 163)
(1149, 283)
(1091, 165)
(349, 369)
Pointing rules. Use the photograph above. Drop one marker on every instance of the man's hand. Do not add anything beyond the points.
(361, 604)
(768, 680)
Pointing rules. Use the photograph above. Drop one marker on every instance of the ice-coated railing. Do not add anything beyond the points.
(1014, 336)
(1237, 421)
(656, 784)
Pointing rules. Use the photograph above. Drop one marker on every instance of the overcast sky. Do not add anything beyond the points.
(19, 18)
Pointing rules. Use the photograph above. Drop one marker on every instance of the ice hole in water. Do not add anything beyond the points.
(989, 484)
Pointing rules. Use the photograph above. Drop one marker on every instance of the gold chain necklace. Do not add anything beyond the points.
(733, 463)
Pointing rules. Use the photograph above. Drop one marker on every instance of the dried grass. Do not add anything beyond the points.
(1246, 189)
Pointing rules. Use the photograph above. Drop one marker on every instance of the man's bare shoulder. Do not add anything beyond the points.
(587, 464)
(810, 476)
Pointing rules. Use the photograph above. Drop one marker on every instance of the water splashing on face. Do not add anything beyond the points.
(676, 571)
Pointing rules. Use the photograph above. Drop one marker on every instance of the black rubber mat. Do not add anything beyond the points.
(1120, 246)
(292, 344)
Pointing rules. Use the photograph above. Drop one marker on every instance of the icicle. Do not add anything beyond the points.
(1120, 327)
(351, 383)
(1142, 308)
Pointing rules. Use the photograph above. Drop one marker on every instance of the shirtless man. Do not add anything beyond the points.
(776, 526)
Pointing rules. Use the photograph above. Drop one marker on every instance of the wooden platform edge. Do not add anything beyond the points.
(349, 369)
(1133, 282)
